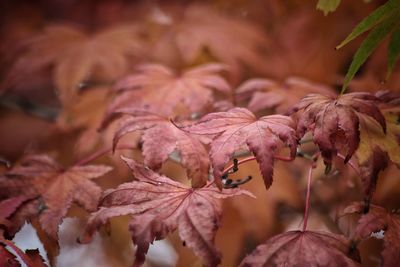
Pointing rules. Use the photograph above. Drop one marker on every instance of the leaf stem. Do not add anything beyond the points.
(307, 208)
(99, 153)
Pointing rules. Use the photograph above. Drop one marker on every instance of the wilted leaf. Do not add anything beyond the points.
(75, 56)
(379, 219)
(161, 138)
(297, 248)
(159, 89)
(239, 127)
(42, 180)
(160, 206)
(267, 94)
(329, 118)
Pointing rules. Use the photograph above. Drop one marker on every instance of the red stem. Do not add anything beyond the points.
(100, 153)
(250, 158)
(307, 208)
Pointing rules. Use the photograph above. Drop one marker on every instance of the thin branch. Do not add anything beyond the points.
(100, 153)
(307, 208)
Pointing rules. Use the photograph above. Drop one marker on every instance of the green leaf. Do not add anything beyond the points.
(368, 46)
(327, 5)
(393, 50)
(381, 13)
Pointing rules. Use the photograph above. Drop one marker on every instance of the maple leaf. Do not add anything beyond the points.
(239, 127)
(159, 89)
(377, 148)
(7, 259)
(378, 219)
(200, 28)
(161, 138)
(304, 248)
(31, 257)
(161, 205)
(39, 176)
(8, 207)
(269, 94)
(328, 118)
(74, 56)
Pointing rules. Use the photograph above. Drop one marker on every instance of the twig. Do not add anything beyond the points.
(307, 208)
(100, 153)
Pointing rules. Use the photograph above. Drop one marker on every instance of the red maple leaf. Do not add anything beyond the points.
(269, 94)
(161, 138)
(378, 219)
(159, 89)
(304, 248)
(74, 56)
(161, 205)
(331, 118)
(50, 190)
(239, 127)
(377, 148)
(199, 29)
(7, 259)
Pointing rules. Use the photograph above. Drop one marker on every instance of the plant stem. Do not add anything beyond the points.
(307, 208)
(308, 195)
(230, 167)
(100, 153)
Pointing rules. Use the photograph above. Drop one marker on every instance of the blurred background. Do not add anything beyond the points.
(59, 59)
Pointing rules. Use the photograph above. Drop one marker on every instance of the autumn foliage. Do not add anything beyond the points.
(218, 127)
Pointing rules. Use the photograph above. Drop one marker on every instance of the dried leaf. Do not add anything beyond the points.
(297, 248)
(160, 206)
(379, 219)
(40, 177)
(159, 89)
(239, 127)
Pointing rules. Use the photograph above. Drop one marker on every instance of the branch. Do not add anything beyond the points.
(100, 153)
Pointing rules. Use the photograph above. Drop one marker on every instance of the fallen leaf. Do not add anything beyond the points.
(161, 205)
